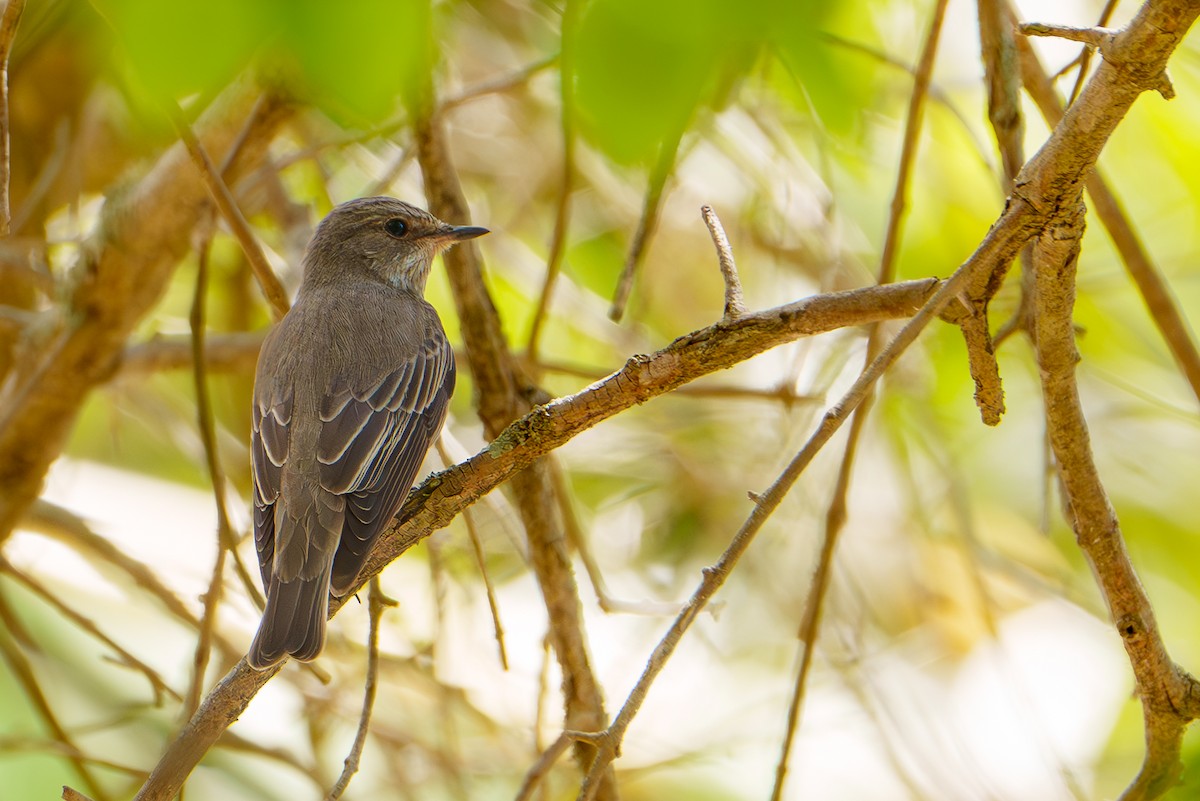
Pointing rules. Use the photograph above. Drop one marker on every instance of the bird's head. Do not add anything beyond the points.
(383, 238)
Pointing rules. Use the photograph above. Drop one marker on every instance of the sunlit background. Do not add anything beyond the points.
(964, 652)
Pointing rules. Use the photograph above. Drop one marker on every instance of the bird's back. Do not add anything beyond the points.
(342, 425)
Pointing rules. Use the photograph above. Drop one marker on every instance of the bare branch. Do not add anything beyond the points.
(272, 289)
(9, 19)
(208, 437)
(1170, 697)
(236, 353)
(835, 515)
(442, 496)
(1164, 309)
(126, 265)
(647, 224)
(504, 394)
(1092, 37)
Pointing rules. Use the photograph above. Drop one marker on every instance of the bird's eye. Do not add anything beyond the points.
(396, 227)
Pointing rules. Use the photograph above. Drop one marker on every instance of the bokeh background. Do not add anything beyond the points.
(964, 652)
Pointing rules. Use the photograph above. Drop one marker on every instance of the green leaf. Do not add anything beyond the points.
(833, 80)
(359, 57)
(643, 68)
(186, 46)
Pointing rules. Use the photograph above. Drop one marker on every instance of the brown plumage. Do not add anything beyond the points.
(351, 390)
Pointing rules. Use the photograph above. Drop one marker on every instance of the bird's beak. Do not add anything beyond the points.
(462, 233)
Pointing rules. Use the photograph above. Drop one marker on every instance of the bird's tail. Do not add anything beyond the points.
(293, 622)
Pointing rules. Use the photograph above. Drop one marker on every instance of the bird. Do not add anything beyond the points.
(351, 389)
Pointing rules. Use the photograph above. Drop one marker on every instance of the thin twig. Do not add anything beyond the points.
(539, 769)
(505, 83)
(22, 671)
(835, 515)
(376, 604)
(1103, 39)
(562, 209)
(998, 243)
(814, 602)
(228, 352)
(391, 172)
(735, 304)
(66, 527)
(1092, 37)
(935, 92)
(647, 224)
(9, 21)
(49, 172)
(268, 282)
(998, 44)
(124, 657)
(1085, 55)
(579, 541)
(208, 438)
(481, 563)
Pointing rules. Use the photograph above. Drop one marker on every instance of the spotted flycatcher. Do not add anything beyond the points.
(351, 389)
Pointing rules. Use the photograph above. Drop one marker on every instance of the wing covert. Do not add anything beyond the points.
(372, 441)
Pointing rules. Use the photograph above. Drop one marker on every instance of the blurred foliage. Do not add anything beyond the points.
(353, 60)
(964, 653)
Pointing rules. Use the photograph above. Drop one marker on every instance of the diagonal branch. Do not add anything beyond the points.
(441, 497)
(835, 514)
(122, 273)
(214, 181)
(9, 19)
(1002, 241)
(1053, 180)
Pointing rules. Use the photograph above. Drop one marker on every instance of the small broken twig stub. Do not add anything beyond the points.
(735, 304)
(985, 371)
(1098, 38)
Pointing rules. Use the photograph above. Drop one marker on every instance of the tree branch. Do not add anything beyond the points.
(9, 19)
(1160, 302)
(504, 394)
(122, 273)
(442, 496)
(1170, 697)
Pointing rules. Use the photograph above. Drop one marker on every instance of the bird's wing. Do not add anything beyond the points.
(373, 439)
(270, 415)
